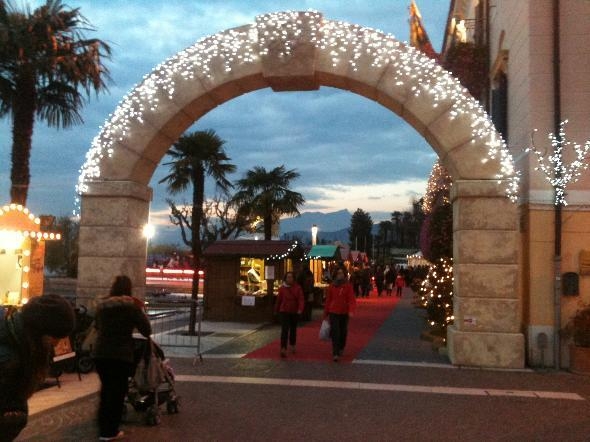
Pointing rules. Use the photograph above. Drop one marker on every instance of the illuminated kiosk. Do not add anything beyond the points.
(239, 275)
(22, 254)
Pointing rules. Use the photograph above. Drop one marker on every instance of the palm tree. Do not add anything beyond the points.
(47, 69)
(195, 156)
(266, 193)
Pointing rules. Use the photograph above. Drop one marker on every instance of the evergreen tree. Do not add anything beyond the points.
(361, 231)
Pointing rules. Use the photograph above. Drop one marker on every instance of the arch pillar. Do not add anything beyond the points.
(487, 330)
(111, 242)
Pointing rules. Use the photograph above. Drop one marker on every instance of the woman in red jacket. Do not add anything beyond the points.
(340, 305)
(289, 306)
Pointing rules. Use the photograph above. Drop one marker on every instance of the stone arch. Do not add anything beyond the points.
(298, 51)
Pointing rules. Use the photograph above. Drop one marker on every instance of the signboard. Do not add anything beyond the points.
(248, 301)
(269, 272)
(470, 320)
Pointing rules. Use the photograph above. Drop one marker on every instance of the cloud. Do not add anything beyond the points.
(332, 137)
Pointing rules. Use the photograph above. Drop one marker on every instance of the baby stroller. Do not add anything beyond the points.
(153, 382)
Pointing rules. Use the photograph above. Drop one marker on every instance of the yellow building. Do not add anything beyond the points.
(524, 90)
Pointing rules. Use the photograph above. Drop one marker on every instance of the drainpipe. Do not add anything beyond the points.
(558, 207)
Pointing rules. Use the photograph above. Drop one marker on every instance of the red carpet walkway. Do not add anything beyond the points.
(370, 315)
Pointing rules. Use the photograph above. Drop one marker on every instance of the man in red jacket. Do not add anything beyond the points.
(289, 306)
(340, 305)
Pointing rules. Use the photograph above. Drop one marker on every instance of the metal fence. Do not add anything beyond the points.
(170, 323)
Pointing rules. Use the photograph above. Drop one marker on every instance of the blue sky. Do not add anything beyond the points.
(350, 151)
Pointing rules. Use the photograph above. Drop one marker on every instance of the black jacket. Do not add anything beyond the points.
(116, 318)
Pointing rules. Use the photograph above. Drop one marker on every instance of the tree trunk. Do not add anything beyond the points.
(23, 121)
(268, 227)
(196, 217)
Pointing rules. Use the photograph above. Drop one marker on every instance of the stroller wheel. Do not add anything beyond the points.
(85, 364)
(172, 406)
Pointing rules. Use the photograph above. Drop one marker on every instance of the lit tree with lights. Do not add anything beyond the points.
(436, 241)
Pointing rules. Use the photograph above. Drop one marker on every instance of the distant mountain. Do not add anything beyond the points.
(329, 237)
(326, 222)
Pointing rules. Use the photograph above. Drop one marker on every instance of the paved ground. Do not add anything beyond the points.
(251, 400)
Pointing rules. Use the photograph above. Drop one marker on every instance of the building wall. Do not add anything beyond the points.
(525, 29)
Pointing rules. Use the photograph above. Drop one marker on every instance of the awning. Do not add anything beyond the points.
(324, 252)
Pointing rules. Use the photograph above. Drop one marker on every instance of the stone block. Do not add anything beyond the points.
(485, 213)
(390, 93)
(112, 241)
(113, 211)
(469, 160)
(486, 280)
(486, 246)
(289, 66)
(451, 133)
(478, 188)
(493, 350)
(487, 314)
(100, 271)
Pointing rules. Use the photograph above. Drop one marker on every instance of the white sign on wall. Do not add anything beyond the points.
(269, 272)
(249, 301)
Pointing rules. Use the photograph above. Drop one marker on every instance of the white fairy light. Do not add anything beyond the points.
(280, 32)
(438, 185)
(559, 173)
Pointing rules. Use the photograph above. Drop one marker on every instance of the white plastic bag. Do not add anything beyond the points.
(325, 330)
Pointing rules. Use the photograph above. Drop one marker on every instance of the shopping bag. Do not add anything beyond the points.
(325, 330)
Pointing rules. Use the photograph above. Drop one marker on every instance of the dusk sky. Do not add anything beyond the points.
(350, 151)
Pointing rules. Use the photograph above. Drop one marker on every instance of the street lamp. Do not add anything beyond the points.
(148, 231)
(314, 235)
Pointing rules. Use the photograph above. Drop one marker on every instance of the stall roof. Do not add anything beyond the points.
(324, 251)
(253, 248)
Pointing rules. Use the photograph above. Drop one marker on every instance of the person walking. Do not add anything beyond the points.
(340, 305)
(389, 280)
(116, 318)
(400, 283)
(305, 279)
(379, 280)
(289, 306)
(26, 341)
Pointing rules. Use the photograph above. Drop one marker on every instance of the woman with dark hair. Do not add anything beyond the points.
(116, 318)
(340, 305)
(289, 306)
(26, 341)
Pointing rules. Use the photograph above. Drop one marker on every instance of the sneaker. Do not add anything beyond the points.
(283, 352)
(335, 358)
(120, 435)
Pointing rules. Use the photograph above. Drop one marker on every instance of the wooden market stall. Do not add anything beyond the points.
(22, 254)
(242, 278)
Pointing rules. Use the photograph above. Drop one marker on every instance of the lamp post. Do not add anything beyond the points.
(314, 235)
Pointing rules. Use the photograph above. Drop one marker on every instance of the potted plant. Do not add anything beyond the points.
(578, 329)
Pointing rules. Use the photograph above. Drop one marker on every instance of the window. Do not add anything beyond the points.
(500, 104)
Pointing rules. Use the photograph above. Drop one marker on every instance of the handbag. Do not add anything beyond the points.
(325, 330)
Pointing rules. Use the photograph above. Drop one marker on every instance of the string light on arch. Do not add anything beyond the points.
(339, 41)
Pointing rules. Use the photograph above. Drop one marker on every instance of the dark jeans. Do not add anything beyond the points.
(288, 329)
(398, 291)
(114, 378)
(338, 331)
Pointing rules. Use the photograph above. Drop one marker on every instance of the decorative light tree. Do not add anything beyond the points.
(558, 172)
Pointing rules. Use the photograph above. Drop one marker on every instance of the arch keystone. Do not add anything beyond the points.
(288, 49)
